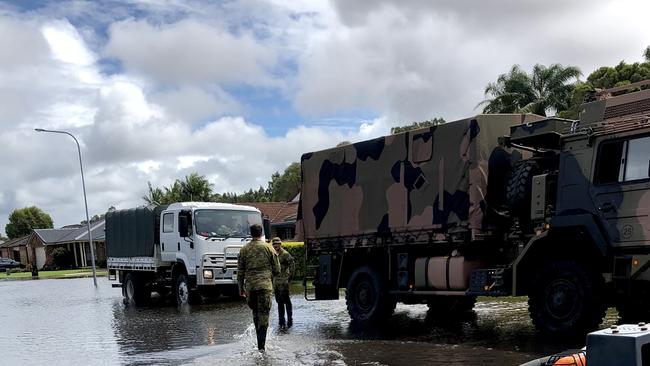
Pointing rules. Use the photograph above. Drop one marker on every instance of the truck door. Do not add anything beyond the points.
(621, 189)
(173, 247)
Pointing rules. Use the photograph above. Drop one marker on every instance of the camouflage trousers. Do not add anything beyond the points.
(260, 302)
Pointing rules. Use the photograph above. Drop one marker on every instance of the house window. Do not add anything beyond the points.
(168, 223)
(623, 161)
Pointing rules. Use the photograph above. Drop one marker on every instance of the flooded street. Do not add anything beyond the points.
(64, 322)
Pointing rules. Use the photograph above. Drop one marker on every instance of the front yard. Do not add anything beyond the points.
(67, 273)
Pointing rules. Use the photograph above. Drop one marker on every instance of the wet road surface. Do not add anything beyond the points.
(65, 322)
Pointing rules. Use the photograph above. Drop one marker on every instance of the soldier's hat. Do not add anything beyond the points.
(276, 240)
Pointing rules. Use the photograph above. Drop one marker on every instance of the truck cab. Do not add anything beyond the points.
(206, 237)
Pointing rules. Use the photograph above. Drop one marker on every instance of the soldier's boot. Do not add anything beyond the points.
(261, 338)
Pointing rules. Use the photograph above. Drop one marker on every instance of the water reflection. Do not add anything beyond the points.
(70, 322)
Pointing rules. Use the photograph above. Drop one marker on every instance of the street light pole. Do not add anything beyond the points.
(83, 185)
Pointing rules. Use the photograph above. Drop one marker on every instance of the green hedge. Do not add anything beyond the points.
(297, 251)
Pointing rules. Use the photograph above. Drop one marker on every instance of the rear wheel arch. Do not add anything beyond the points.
(574, 243)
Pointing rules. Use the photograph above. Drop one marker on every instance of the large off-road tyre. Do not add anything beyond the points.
(181, 290)
(566, 298)
(367, 297)
(443, 305)
(636, 307)
(135, 292)
(519, 187)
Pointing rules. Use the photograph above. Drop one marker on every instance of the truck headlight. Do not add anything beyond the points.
(207, 273)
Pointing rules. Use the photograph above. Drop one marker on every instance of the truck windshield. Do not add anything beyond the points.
(225, 223)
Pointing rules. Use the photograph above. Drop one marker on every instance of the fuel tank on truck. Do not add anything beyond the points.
(425, 179)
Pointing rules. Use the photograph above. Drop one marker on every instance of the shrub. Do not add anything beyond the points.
(62, 257)
(297, 251)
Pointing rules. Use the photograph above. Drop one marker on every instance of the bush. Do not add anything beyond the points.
(297, 251)
(62, 258)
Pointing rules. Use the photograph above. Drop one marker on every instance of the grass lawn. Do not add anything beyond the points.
(68, 273)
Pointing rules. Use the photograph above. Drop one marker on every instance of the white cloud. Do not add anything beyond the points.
(66, 44)
(421, 59)
(190, 52)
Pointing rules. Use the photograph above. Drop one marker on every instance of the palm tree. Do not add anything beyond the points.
(546, 89)
(195, 187)
(155, 196)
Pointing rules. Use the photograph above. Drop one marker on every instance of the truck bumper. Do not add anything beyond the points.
(219, 276)
(218, 269)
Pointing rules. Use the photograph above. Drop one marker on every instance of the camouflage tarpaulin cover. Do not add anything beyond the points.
(425, 179)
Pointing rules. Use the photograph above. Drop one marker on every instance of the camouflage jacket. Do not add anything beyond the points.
(256, 266)
(287, 266)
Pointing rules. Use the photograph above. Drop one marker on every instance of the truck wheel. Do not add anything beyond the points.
(566, 298)
(181, 290)
(134, 291)
(366, 297)
(519, 188)
(451, 304)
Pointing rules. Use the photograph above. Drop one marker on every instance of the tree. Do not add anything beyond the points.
(22, 221)
(155, 196)
(416, 125)
(195, 187)
(621, 74)
(580, 90)
(646, 54)
(546, 89)
(343, 143)
(286, 186)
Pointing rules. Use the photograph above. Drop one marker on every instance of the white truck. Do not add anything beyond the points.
(188, 249)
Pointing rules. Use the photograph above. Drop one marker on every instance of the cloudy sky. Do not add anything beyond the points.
(236, 90)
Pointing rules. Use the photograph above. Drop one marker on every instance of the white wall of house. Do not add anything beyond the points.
(40, 257)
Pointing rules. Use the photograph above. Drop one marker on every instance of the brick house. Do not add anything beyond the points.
(15, 249)
(282, 216)
(42, 243)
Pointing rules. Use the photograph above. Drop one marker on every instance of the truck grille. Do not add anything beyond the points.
(217, 260)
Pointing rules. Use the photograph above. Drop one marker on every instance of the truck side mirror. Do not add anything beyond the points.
(266, 223)
(183, 227)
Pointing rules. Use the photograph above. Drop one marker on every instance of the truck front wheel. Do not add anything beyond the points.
(367, 298)
(181, 290)
(566, 297)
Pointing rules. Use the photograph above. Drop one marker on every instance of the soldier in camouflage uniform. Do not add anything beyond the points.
(281, 284)
(256, 267)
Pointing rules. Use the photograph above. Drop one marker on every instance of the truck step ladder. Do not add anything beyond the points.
(308, 282)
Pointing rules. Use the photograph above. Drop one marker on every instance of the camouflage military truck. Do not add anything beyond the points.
(492, 205)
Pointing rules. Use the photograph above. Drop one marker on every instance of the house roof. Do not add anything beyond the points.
(277, 212)
(71, 234)
(15, 242)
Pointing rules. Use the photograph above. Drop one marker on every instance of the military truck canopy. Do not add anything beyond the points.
(133, 232)
(431, 178)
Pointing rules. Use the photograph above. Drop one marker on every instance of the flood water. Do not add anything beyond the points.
(70, 322)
